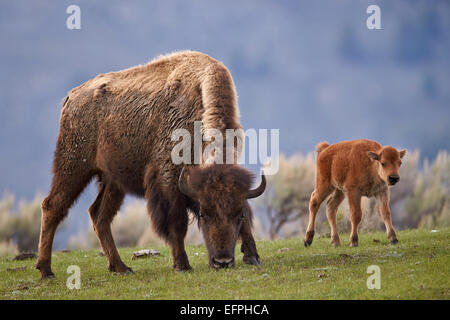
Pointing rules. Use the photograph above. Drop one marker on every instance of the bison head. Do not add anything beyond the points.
(389, 162)
(221, 192)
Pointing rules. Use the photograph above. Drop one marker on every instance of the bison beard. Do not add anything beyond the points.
(117, 127)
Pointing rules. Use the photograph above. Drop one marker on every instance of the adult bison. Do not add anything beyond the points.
(354, 168)
(117, 127)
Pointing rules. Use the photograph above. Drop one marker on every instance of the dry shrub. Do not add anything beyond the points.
(283, 208)
(429, 205)
(19, 224)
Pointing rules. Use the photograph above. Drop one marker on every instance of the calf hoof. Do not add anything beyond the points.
(336, 242)
(253, 260)
(309, 236)
(354, 241)
(393, 242)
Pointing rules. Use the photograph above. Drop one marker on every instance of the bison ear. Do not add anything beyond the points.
(373, 155)
(402, 153)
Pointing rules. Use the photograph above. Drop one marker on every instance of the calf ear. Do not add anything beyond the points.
(402, 153)
(373, 155)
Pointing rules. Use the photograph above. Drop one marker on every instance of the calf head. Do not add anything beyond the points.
(221, 192)
(388, 162)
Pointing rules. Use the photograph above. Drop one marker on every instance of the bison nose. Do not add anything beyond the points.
(222, 262)
(393, 179)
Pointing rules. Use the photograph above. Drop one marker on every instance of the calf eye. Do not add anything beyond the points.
(383, 164)
(200, 215)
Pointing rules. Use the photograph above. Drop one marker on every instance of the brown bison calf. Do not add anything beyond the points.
(354, 168)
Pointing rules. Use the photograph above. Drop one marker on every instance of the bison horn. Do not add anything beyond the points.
(259, 190)
(183, 186)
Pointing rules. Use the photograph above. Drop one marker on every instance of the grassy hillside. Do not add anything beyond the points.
(417, 268)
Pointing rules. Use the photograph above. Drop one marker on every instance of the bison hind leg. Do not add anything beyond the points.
(64, 191)
(332, 207)
(317, 197)
(102, 212)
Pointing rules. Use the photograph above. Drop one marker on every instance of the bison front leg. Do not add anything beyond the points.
(170, 221)
(354, 200)
(248, 247)
(177, 230)
(385, 214)
(102, 212)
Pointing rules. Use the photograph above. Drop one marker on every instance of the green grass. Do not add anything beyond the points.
(417, 268)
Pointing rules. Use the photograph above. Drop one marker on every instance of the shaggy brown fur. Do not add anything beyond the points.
(215, 186)
(117, 127)
(354, 168)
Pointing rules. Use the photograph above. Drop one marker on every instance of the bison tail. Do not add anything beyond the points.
(321, 146)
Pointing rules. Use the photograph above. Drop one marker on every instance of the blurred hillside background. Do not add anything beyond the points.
(310, 68)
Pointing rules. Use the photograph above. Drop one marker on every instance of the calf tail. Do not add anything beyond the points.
(321, 146)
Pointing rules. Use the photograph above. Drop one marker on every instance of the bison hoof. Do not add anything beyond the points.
(308, 242)
(182, 269)
(128, 271)
(255, 261)
(46, 272)
(49, 275)
(121, 270)
(393, 242)
(353, 244)
(336, 244)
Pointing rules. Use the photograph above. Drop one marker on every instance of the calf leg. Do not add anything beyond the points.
(248, 247)
(64, 191)
(354, 200)
(332, 206)
(102, 212)
(385, 214)
(317, 197)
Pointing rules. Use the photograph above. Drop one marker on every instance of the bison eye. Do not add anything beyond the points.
(200, 215)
